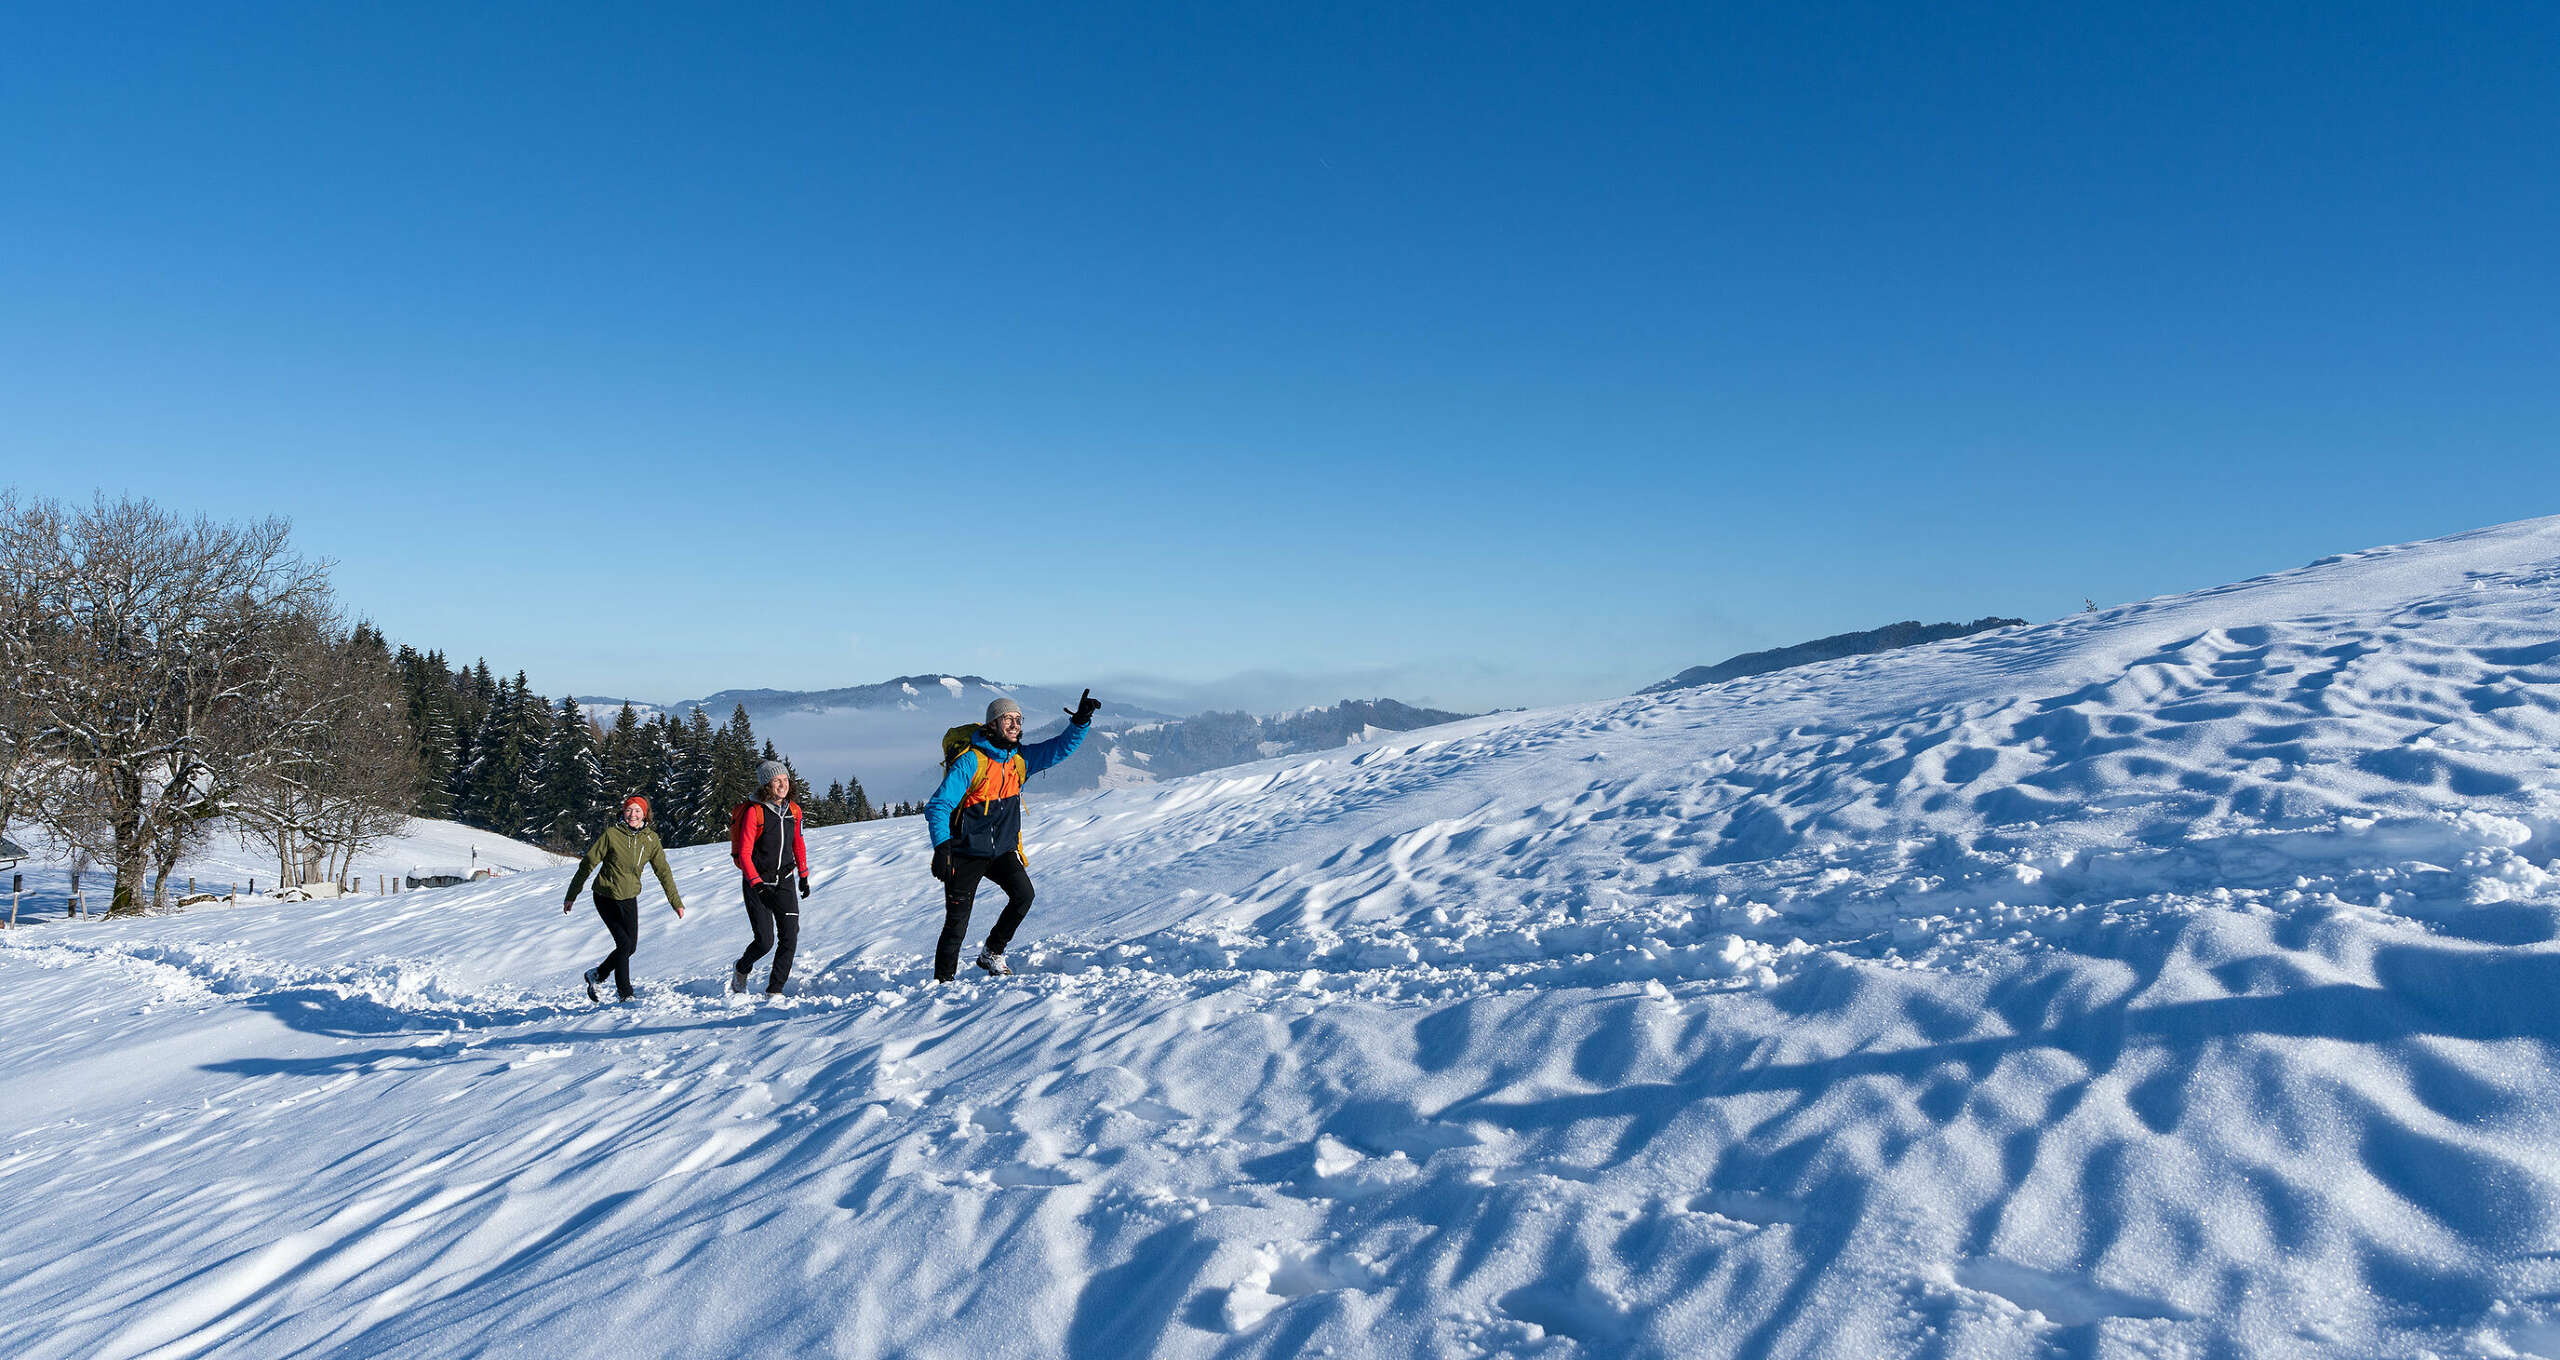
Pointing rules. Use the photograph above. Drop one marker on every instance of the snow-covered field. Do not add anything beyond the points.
(2177, 980)
(230, 861)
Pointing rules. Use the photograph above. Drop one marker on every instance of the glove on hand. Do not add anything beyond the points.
(805, 889)
(1083, 712)
(942, 866)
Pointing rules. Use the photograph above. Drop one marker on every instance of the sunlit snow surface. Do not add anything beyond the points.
(2176, 980)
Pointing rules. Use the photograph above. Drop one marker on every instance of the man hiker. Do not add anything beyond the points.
(615, 860)
(975, 818)
(764, 838)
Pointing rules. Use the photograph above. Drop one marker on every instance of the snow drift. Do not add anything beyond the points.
(2172, 980)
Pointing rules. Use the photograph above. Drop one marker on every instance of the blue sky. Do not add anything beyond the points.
(1483, 357)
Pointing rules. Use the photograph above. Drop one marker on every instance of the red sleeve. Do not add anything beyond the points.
(798, 851)
(742, 837)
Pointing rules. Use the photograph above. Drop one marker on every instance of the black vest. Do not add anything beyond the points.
(771, 854)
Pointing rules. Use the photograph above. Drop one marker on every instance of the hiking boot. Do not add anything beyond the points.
(994, 963)
(737, 980)
(589, 978)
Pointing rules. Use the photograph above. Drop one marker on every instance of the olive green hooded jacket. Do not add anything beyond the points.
(621, 853)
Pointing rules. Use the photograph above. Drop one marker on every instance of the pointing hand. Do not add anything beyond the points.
(1083, 712)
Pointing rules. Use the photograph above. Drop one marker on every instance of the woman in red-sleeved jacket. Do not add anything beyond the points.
(764, 838)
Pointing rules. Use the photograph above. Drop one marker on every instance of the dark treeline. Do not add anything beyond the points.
(495, 755)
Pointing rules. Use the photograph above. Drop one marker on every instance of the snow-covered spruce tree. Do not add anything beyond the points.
(678, 781)
(625, 756)
(573, 780)
(155, 662)
(732, 776)
(470, 724)
(494, 780)
(426, 685)
(533, 782)
(436, 754)
(706, 817)
(530, 716)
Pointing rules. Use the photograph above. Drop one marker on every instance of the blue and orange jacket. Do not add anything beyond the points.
(979, 804)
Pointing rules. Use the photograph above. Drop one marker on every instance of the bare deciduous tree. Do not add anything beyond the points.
(154, 657)
(26, 777)
(351, 782)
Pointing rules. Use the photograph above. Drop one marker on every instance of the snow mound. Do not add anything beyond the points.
(2170, 980)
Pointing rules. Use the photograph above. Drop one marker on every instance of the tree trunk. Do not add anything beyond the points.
(163, 865)
(133, 865)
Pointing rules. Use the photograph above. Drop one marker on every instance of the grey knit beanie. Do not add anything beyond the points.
(765, 774)
(1001, 707)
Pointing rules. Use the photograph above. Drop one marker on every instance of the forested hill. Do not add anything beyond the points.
(1908, 633)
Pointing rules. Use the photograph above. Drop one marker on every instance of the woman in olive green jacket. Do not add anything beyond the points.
(620, 853)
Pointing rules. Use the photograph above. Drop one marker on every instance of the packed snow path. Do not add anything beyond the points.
(2178, 980)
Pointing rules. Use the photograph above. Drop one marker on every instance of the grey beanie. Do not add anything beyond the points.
(765, 773)
(1001, 707)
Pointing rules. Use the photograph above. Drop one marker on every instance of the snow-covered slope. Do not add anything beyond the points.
(2179, 980)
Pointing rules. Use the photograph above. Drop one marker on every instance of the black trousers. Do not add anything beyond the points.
(960, 893)
(773, 909)
(622, 917)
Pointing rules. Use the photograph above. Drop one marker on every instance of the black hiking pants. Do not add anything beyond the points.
(622, 917)
(773, 909)
(960, 893)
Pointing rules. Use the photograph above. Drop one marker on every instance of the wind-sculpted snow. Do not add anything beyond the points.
(2177, 980)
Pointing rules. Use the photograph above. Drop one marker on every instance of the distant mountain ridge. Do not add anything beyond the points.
(1893, 636)
(909, 692)
(1148, 752)
(888, 734)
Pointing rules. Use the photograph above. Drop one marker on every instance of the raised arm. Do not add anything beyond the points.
(1041, 755)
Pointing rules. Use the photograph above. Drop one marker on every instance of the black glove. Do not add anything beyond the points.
(1083, 712)
(805, 889)
(942, 867)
